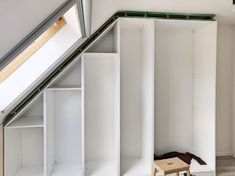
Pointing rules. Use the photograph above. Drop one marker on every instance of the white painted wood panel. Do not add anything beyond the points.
(205, 93)
(107, 42)
(49, 132)
(27, 122)
(71, 78)
(63, 132)
(100, 75)
(137, 96)
(224, 91)
(174, 90)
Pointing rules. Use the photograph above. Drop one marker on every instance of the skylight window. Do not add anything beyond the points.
(42, 54)
(31, 49)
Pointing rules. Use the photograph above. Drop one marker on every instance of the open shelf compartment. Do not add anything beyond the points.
(137, 96)
(24, 151)
(185, 73)
(100, 80)
(63, 141)
(27, 122)
(23, 142)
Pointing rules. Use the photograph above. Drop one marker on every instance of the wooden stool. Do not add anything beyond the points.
(169, 166)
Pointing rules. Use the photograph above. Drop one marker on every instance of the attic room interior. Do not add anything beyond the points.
(117, 88)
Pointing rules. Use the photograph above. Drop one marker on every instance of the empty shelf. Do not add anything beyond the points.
(135, 167)
(27, 122)
(98, 168)
(67, 170)
(31, 171)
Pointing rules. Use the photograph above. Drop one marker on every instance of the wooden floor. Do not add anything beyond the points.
(225, 166)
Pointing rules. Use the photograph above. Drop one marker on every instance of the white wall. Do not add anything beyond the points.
(101, 11)
(224, 91)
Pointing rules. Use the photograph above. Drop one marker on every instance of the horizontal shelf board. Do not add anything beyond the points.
(133, 167)
(67, 170)
(31, 171)
(101, 54)
(27, 122)
(65, 88)
(101, 168)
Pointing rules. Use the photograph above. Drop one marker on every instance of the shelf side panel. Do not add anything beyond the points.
(49, 132)
(205, 93)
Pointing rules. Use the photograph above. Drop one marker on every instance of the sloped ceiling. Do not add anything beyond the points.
(21, 17)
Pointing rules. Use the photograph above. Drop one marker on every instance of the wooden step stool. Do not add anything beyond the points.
(169, 166)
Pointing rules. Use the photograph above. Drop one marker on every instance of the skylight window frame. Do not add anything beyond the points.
(37, 32)
(41, 28)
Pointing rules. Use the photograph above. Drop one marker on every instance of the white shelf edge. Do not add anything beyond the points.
(64, 88)
(32, 126)
(27, 122)
(195, 167)
(101, 54)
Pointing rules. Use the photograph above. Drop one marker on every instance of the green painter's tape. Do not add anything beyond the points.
(166, 15)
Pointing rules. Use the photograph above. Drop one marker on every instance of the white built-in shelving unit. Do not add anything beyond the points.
(145, 86)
